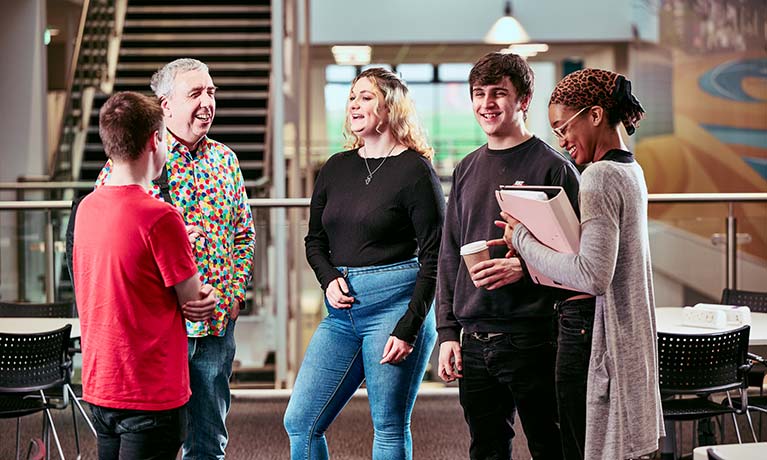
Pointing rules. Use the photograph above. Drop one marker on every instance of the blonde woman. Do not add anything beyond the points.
(374, 232)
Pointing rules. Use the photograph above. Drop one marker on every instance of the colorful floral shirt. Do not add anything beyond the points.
(208, 188)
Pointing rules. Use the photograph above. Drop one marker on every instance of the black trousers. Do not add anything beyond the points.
(507, 373)
(576, 324)
(139, 434)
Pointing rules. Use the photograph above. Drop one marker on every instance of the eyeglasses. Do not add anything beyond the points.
(560, 130)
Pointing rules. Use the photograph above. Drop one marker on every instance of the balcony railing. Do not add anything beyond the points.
(696, 250)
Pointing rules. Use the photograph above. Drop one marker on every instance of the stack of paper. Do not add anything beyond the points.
(548, 214)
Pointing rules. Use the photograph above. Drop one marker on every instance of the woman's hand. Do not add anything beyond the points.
(508, 224)
(396, 351)
(337, 294)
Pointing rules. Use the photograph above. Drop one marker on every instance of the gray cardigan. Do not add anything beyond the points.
(624, 416)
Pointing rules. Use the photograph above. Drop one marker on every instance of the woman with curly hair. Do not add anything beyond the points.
(375, 226)
(607, 367)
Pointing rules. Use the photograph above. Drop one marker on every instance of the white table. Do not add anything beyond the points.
(748, 451)
(670, 320)
(27, 325)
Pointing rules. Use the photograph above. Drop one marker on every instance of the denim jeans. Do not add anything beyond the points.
(506, 373)
(576, 324)
(139, 434)
(347, 348)
(210, 366)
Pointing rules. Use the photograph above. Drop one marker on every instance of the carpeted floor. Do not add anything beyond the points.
(256, 433)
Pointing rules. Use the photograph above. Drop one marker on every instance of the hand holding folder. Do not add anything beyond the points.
(547, 213)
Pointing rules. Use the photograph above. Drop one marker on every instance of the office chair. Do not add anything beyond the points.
(37, 310)
(757, 403)
(699, 365)
(756, 301)
(32, 364)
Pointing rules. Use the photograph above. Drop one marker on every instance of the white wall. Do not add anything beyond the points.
(23, 130)
(464, 21)
(23, 86)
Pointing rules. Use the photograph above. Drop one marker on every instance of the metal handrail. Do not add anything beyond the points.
(50, 206)
(723, 198)
(67, 204)
(86, 185)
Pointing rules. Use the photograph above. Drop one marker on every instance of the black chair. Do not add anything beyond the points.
(757, 302)
(37, 310)
(757, 403)
(699, 365)
(32, 364)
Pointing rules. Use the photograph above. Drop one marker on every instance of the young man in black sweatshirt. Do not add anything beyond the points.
(496, 327)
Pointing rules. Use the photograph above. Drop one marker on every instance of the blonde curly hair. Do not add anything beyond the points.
(403, 122)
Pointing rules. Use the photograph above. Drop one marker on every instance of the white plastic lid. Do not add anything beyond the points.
(473, 248)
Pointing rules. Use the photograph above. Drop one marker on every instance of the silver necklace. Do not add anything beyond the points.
(370, 173)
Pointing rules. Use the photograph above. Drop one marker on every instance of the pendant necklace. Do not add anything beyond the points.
(370, 173)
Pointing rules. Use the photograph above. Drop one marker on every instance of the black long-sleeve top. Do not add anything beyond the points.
(397, 216)
(471, 211)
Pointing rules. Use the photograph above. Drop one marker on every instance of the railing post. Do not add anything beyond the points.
(731, 264)
(50, 267)
(279, 189)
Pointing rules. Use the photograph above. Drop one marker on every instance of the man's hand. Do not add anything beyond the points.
(337, 294)
(193, 232)
(200, 310)
(450, 361)
(494, 273)
(395, 351)
(234, 313)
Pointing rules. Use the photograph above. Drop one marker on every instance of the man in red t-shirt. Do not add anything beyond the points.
(135, 281)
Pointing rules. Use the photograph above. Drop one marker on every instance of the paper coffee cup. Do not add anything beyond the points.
(474, 253)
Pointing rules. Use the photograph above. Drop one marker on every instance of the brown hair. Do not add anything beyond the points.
(492, 67)
(126, 122)
(403, 122)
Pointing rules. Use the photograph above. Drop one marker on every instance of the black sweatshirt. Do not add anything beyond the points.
(471, 210)
(397, 216)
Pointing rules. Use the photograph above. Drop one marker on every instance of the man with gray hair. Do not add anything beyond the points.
(202, 178)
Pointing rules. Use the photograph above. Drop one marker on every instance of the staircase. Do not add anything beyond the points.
(233, 37)
(101, 23)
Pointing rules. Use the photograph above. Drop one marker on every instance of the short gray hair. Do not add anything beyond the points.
(162, 80)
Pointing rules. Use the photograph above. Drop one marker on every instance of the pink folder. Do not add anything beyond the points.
(550, 218)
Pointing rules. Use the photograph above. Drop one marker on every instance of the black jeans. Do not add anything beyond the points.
(576, 323)
(139, 434)
(513, 371)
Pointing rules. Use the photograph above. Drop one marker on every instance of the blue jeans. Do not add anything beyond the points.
(138, 434)
(505, 373)
(576, 324)
(347, 348)
(210, 366)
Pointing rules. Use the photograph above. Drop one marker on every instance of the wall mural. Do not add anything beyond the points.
(718, 143)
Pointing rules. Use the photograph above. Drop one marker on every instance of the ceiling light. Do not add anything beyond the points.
(352, 55)
(527, 49)
(507, 29)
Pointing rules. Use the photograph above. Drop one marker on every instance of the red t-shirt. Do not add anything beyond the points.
(130, 249)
